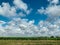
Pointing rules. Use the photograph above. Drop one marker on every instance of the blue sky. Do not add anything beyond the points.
(29, 18)
(34, 4)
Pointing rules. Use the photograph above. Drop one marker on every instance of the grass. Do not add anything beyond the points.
(29, 41)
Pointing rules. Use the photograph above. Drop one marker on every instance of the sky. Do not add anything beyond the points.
(29, 18)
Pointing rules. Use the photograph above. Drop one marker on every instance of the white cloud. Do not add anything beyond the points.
(52, 25)
(7, 10)
(19, 4)
(41, 11)
(54, 1)
(18, 27)
(23, 27)
(10, 11)
(49, 29)
(52, 10)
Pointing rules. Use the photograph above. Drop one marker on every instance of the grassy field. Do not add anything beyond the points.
(29, 42)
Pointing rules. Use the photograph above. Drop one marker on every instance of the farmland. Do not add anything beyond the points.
(29, 41)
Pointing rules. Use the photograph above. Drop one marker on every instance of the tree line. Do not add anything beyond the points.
(30, 38)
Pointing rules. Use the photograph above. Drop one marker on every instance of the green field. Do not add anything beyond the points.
(29, 41)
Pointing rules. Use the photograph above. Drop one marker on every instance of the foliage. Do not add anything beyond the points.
(30, 38)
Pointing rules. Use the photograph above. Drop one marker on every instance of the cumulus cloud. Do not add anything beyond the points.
(52, 25)
(49, 29)
(54, 1)
(52, 10)
(19, 27)
(9, 11)
(16, 26)
(19, 4)
(23, 27)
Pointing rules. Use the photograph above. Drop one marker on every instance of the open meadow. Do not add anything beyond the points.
(29, 41)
